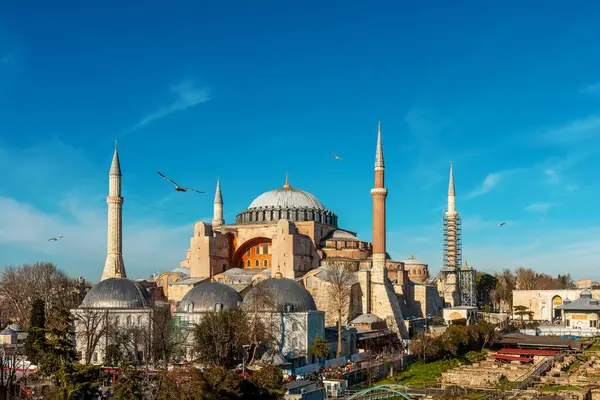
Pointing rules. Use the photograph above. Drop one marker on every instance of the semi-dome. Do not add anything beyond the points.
(286, 203)
(206, 296)
(117, 293)
(288, 295)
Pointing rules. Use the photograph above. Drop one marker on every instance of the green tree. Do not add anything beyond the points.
(76, 381)
(424, 346)
(268, 382)
(454, 340)
(485, 283)
(59, 348)
(131, 384)
(319, 347)
(36, 339)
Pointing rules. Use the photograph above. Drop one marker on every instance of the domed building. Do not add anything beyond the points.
(290, 313)
(115, 304)
(290, 230)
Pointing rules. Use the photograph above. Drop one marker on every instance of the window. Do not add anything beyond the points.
(257, 263)
(265, 248)
(568, 322)
(294, 327)
(117, 320)
(257, 250)
(593, 324)
(218, 307)
(95, 357)
(248, 263)
(190, 307)
(140, 320)
(266, 263)
(128, 320)
(248, 252)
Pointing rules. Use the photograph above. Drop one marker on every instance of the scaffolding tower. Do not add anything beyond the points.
(452, 242)
(466, 286)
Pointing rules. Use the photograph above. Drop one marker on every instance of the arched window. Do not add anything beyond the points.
(289, 308)
(218, 307)
(248, 263)
(190, 307)
(294, 327)
(117, 320)
(139, 320)
(257, 263)
(128, 320)
(266, 263)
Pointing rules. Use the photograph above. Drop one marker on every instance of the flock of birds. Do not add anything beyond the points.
(187, 189)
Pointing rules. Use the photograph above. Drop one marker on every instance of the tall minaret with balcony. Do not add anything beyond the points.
(383, 299)
(448, 285)
(379, 194)
(218, 207)
(114, 266)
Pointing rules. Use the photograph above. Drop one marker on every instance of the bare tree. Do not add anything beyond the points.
(162, 338)
(261, 307)
(90, 327)
(340, 280)
(20, 286)
(9, 362)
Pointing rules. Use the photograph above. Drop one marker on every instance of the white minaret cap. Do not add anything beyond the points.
(218, 195)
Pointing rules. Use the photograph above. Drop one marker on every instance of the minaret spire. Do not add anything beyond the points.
(218, 206)
(379, 153)
(451, 193)
(114, 266)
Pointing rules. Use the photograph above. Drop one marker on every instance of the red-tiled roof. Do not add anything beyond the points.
(528, 352)
(512, 358)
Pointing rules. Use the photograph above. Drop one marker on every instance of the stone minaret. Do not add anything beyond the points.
(218, 207)
(452, 231)
(114, 266)
(379, 194)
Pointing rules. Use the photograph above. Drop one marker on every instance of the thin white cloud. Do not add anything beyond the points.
(539, 207)
(593, 89)
(187, 96)
(489, 183)
(572, 132)
(148, 245)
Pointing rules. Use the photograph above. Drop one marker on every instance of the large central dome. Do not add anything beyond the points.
(286, 203)
(287, 198)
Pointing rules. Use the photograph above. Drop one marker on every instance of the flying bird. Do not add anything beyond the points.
(177, 187)
(501, 224)
(55, 239)
(335, 156)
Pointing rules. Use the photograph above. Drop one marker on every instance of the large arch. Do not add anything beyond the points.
(556, 301)
(254, 253)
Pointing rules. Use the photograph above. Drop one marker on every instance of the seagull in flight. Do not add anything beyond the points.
(336, 156)
(501, 224)
(55, 239)
(177, 187)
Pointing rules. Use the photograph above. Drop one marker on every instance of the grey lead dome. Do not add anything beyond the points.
(203, 297)
(286, 292)
(287, 198)
(117, 293)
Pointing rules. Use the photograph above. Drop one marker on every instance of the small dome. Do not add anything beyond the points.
(117, 293)
(15, 327)
(340, 234)
(287, 292)
(585, 294)
(413, 261)
(203, 298)
(8, 331)
(287, 198)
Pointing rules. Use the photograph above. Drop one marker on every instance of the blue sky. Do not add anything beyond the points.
(249, 90)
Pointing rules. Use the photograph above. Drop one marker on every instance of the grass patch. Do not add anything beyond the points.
(556, 388)
(594, 347)
(420, 374)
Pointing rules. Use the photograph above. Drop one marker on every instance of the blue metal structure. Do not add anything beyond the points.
(381, 392)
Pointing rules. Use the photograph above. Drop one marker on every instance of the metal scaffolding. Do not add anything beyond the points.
(452, 242)
(466, 286)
